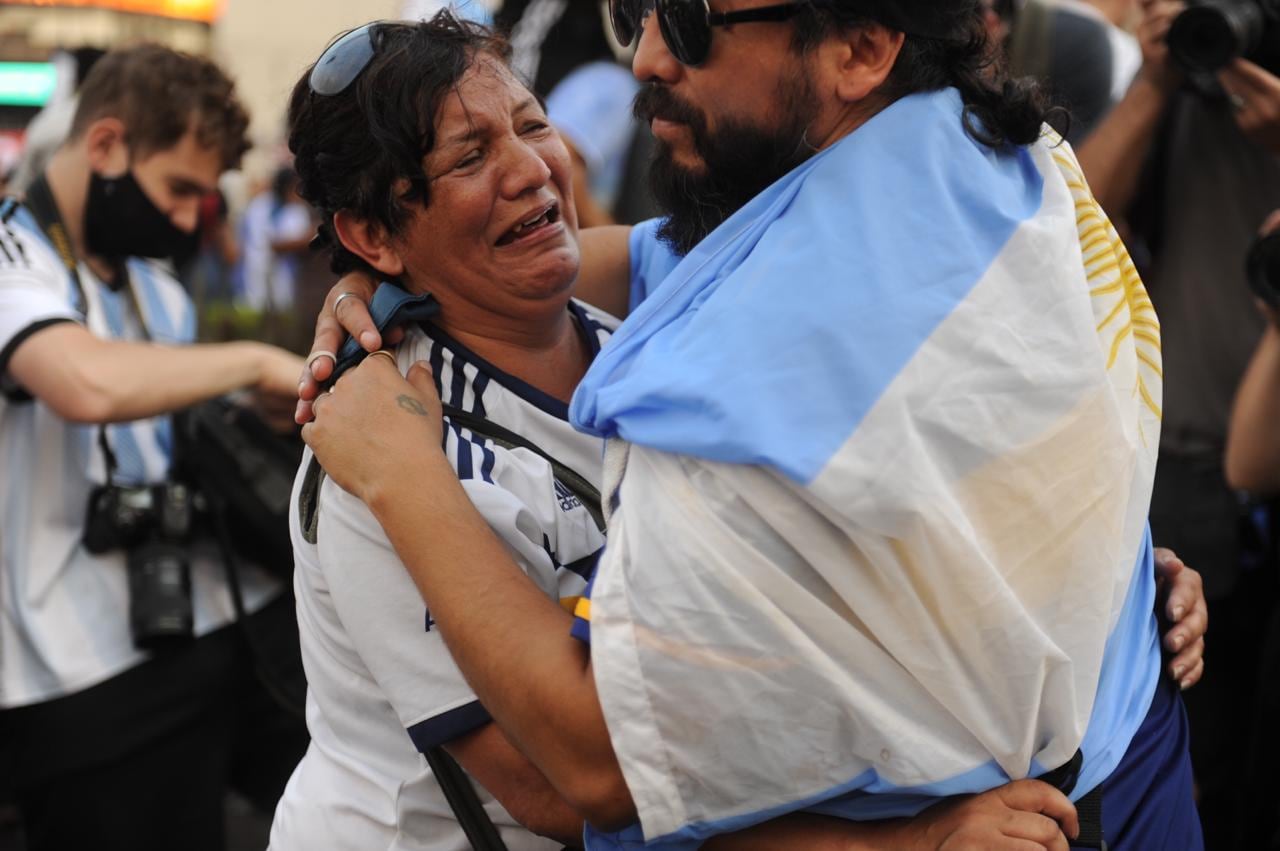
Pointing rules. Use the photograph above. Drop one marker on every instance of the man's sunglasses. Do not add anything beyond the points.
(342, 61)
(686, 24)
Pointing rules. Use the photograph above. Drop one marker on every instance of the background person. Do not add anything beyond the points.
(1191, 167)
(1253, 465)
(108, 745)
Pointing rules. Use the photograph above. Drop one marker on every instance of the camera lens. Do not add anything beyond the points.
(1208, 36)
(160, 609)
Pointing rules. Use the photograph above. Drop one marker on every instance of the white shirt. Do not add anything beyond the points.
(65, 624)
(381, 682)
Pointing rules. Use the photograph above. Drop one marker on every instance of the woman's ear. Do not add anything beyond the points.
(369, 242)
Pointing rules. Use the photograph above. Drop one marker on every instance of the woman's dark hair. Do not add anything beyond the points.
(946, 45)
(358, 150)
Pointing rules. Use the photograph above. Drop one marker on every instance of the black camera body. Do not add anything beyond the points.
(152, 524)
(1263, 269)
(1209, 34)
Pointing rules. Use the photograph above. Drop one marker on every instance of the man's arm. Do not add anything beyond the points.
(1113, 155)
(86, 379)
(1025, 815)
(1253, 443)
(523, 791)
(605, 277)
(1022, 815)
(603, 281)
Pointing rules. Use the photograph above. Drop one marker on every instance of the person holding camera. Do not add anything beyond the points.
(1188, 159)
(1253, 465)
(125, 697)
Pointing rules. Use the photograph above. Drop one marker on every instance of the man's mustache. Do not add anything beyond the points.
(654, 101)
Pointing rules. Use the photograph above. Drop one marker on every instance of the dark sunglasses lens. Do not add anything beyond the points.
(685, 29)
(625, 15)
(339, 66)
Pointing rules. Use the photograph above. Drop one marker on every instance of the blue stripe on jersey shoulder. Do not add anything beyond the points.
(447, 726)
(169, 320)
(463, 355)
(24, 218)
(590, 327)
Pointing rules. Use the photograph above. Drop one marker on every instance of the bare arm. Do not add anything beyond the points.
(1253, 444)
(1021, 815)
(489, 757)
(86, 379)
(605, 278)
(525, 666)
(1113, 155)
(1026, 815)
(604, 281)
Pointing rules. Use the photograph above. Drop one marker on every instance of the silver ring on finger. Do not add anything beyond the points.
(322, 353)
(1238, 104)
(340, 298)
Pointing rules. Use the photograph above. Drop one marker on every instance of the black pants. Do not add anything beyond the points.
(143, 761)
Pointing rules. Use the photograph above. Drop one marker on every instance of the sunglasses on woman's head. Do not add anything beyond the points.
(686, 24)
(343, 61)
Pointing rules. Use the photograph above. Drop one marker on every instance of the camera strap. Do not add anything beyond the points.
(39, 200)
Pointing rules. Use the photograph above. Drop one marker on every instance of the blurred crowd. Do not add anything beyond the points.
(1173, 111)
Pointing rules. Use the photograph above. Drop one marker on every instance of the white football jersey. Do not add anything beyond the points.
(381, 683)
(64, 612)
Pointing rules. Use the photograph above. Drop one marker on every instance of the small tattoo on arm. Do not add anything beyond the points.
(411, 405)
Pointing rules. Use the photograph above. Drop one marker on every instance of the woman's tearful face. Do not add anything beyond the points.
(500, 229)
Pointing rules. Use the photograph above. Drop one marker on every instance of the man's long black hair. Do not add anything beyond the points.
(946, 45)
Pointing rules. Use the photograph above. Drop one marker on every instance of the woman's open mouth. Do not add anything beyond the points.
(533, 227)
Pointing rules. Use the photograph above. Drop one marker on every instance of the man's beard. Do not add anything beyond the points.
(739, 160)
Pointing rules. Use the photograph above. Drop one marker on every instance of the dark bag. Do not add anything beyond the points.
(245, 471)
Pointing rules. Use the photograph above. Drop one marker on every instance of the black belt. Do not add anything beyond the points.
(1088, 808)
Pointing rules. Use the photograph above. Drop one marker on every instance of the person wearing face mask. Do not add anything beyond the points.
(96, 708)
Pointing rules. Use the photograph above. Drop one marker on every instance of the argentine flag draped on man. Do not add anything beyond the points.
(881, 535)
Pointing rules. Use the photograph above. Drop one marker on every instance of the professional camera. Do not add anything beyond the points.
(1264, 269)
(152, 524)
(1209, 34)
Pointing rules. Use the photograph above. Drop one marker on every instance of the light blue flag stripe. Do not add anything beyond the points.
(772, 339)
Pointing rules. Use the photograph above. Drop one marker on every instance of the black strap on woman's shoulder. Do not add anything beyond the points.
(572, 480)
(464, 802)
(577, 484)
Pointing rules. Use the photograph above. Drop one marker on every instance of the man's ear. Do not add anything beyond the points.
(860, 60)
(107, 147)
(368, 241)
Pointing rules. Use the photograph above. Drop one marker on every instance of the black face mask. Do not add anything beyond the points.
(121, 221)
